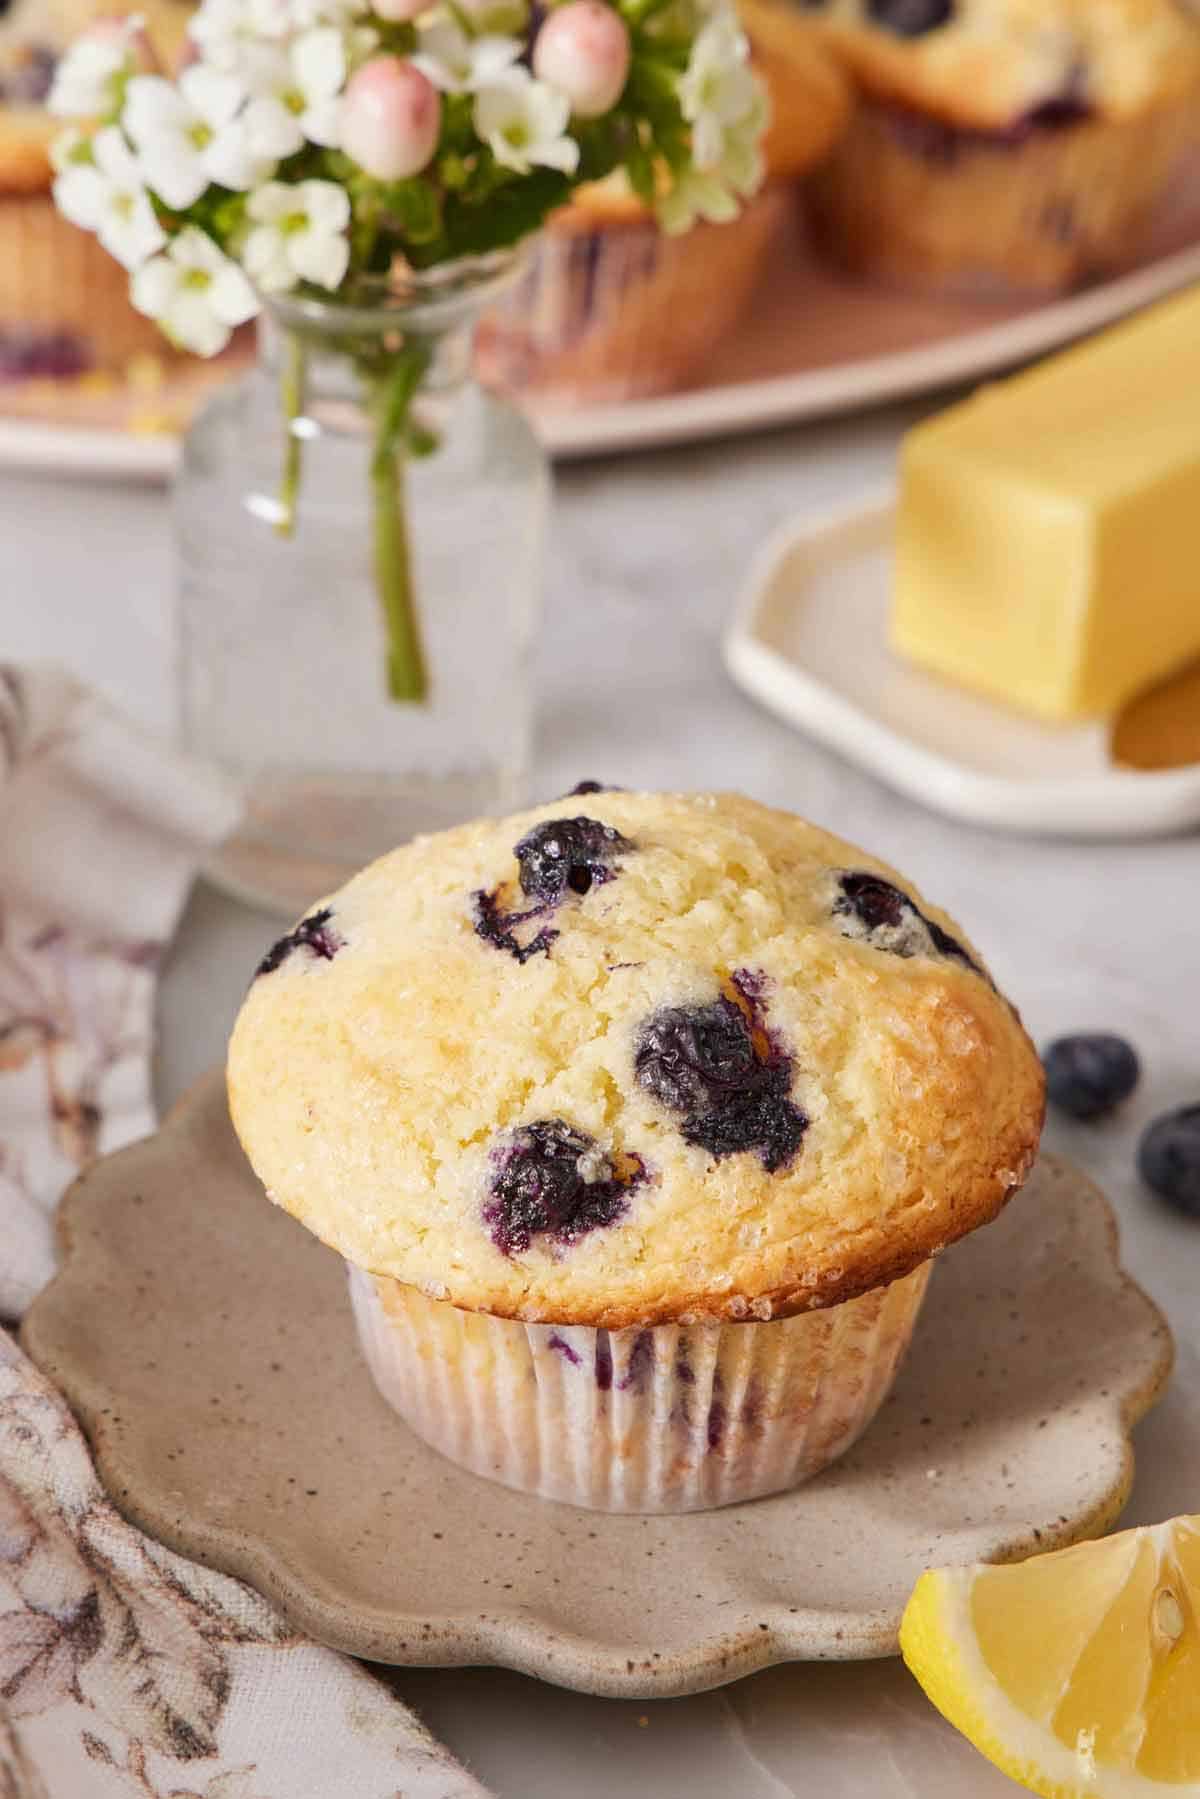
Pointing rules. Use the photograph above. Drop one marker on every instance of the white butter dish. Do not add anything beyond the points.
(809, 640)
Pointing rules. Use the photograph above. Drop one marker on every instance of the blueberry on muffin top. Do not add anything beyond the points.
(995, 65)
(680, 1057)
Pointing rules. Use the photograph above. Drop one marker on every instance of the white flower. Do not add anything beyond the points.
(718, 89)
(231, 33)
(308, 13)
(195, 292)
(107, 195)
(299, 234)
(695, 194)
(459, 64)
(89, 78)
(226, 30)
(189, 134)
(524, 122)
(296, 95)
(741, 162)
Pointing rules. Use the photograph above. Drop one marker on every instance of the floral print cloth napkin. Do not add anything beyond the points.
(126, 1672)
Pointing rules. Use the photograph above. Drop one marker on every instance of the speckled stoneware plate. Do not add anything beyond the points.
(205, 1341)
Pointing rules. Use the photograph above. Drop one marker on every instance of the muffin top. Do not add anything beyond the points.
(809, 95)
(1002, 64)
(630, 1058)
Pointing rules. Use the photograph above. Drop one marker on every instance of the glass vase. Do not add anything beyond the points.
(360, 534)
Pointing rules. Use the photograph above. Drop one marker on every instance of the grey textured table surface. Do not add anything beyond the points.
(646, 557)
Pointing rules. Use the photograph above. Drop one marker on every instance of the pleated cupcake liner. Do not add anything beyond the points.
(677, 1418)
(618, 310)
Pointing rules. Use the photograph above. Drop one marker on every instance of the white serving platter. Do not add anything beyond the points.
(808, 639)
(813, 344)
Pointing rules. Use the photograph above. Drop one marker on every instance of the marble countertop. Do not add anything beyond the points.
(647, 554)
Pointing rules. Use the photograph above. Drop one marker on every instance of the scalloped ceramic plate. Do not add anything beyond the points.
(205, 1341)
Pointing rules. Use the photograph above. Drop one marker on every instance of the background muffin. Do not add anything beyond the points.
(64, 301)
(610, 308)
(1024, 142)
(635, 1061)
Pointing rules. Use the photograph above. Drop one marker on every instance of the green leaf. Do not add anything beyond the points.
(454, 170)
(458, 125)
(219, 213)
(602, 146)
(507, 215)
(396, 38)
(413, 209)
(639, 166)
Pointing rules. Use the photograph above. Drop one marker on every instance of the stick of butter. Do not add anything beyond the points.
(1048, 545)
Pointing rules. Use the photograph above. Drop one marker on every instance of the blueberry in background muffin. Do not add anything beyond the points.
(662, 1184)
(1005, 143)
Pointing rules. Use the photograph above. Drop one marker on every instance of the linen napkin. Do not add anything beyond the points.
(126, 1670)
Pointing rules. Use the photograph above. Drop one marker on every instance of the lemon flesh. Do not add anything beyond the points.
(1076, 1673)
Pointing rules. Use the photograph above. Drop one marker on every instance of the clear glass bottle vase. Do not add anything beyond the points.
(360, 534)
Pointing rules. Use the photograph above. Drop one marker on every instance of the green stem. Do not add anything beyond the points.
(294, 383)
(407, 678)
(393, 391)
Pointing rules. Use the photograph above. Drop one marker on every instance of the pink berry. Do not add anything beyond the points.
(391, 117)
(583, 51)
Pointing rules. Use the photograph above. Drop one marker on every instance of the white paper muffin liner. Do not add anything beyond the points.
(679, 1418)
(905, 199)
(621, 311)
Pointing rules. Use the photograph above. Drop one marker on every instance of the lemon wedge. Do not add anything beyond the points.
(1076, 1673)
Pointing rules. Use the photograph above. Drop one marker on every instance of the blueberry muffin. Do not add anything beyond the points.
(1006, 143)
(638, 1118)
(64, 302)
(610, 308)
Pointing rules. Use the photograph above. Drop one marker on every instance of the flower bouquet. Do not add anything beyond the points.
(333, 150)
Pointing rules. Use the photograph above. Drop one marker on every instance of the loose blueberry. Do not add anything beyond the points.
(550, 1180)
(562, 853)
(732, 1093)
(314, 934)
(1169, 1159)
(910, 18)
(1087, 1075)
(583, 787)
(902, 928)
